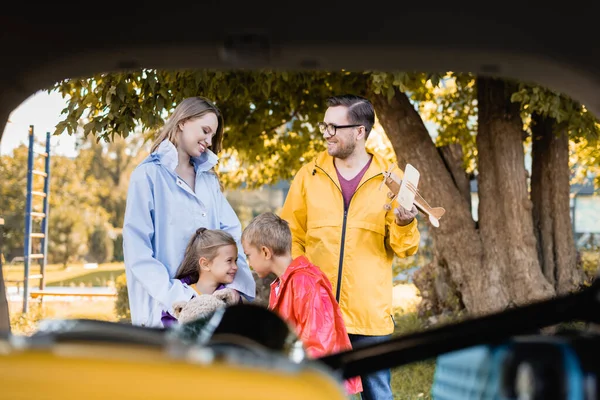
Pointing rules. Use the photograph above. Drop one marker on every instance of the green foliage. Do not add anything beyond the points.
(84, 191)
(452, 106)
(108, 165)
(417, 84)
(590, 264)
(74, 210)
(100, 244)
(270, 116)
(448, 100)
(26, 324)
(122, 303)
(67, 194)
(118, 255)
(454, 110)
(421, 258)
(549, 103)
(582, 126)
(13, 190)
(585, 161)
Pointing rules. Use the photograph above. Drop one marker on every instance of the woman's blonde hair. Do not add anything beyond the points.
(205, 243)
(188, 109)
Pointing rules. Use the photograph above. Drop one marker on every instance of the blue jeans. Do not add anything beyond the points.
(378, 385)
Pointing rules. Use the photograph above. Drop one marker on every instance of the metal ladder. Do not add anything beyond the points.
(30, 214)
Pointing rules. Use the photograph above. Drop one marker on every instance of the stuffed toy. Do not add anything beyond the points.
(204, 305)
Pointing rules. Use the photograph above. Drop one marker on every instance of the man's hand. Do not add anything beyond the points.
(404, 216)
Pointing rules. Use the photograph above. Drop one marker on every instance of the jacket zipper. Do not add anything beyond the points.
(343, 240)
(341, 265)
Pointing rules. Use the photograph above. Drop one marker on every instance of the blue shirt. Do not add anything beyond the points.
(161, 215)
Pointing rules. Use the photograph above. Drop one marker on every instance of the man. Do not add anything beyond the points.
(336, 213)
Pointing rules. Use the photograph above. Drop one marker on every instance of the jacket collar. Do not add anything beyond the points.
(166, 155)
(299, 263)
(325, 162)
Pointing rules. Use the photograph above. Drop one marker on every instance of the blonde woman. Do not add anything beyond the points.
(171, 193)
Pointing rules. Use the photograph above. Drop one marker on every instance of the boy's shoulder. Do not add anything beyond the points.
(303, 275)
(309, 276)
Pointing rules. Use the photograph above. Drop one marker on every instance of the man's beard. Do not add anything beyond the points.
(342, 151)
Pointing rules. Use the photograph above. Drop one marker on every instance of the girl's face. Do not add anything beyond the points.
(196, 135)
(224, 266)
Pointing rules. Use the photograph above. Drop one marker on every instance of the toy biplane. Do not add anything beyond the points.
(405, 191)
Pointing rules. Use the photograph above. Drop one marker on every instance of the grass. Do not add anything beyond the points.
(26, 324)
(412, 381)
(94, 279)
(73, 275)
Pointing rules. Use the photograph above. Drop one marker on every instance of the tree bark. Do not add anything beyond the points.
(4, 314)
(505, 210)
(457, 245)
(550, 184)
(495, 265)
(452, 155)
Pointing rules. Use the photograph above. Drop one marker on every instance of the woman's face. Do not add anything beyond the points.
(196, 134)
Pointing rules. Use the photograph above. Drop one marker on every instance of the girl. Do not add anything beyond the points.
(172, 192)
(208, 265)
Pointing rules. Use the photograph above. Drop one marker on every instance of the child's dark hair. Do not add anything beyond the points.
(205, 243)
(270, 231)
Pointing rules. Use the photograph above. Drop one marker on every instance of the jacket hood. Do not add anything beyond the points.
(166, 155)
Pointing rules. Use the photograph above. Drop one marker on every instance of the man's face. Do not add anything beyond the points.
(343, 144)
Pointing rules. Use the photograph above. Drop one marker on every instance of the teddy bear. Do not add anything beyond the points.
(204, 305)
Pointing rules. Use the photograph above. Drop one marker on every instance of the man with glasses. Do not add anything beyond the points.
(338, 219)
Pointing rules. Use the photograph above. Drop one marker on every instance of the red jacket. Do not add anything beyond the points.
(303, 297)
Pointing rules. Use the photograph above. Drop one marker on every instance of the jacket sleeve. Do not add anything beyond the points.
(315, 316)
(243, 281)
(138, 234)
(403, 240)
(294, 212)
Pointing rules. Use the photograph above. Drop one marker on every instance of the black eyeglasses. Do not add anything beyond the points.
(331, 129)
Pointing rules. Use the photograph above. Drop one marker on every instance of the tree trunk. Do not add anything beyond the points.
(4, 314)
(458, 248)
(452, 155)
(505, 210)
(550, 184)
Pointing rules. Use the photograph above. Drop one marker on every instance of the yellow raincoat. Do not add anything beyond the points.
(355, 247)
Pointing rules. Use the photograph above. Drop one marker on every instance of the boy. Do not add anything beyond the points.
(301, 294)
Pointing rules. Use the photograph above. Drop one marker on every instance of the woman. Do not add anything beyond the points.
(172, 193)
